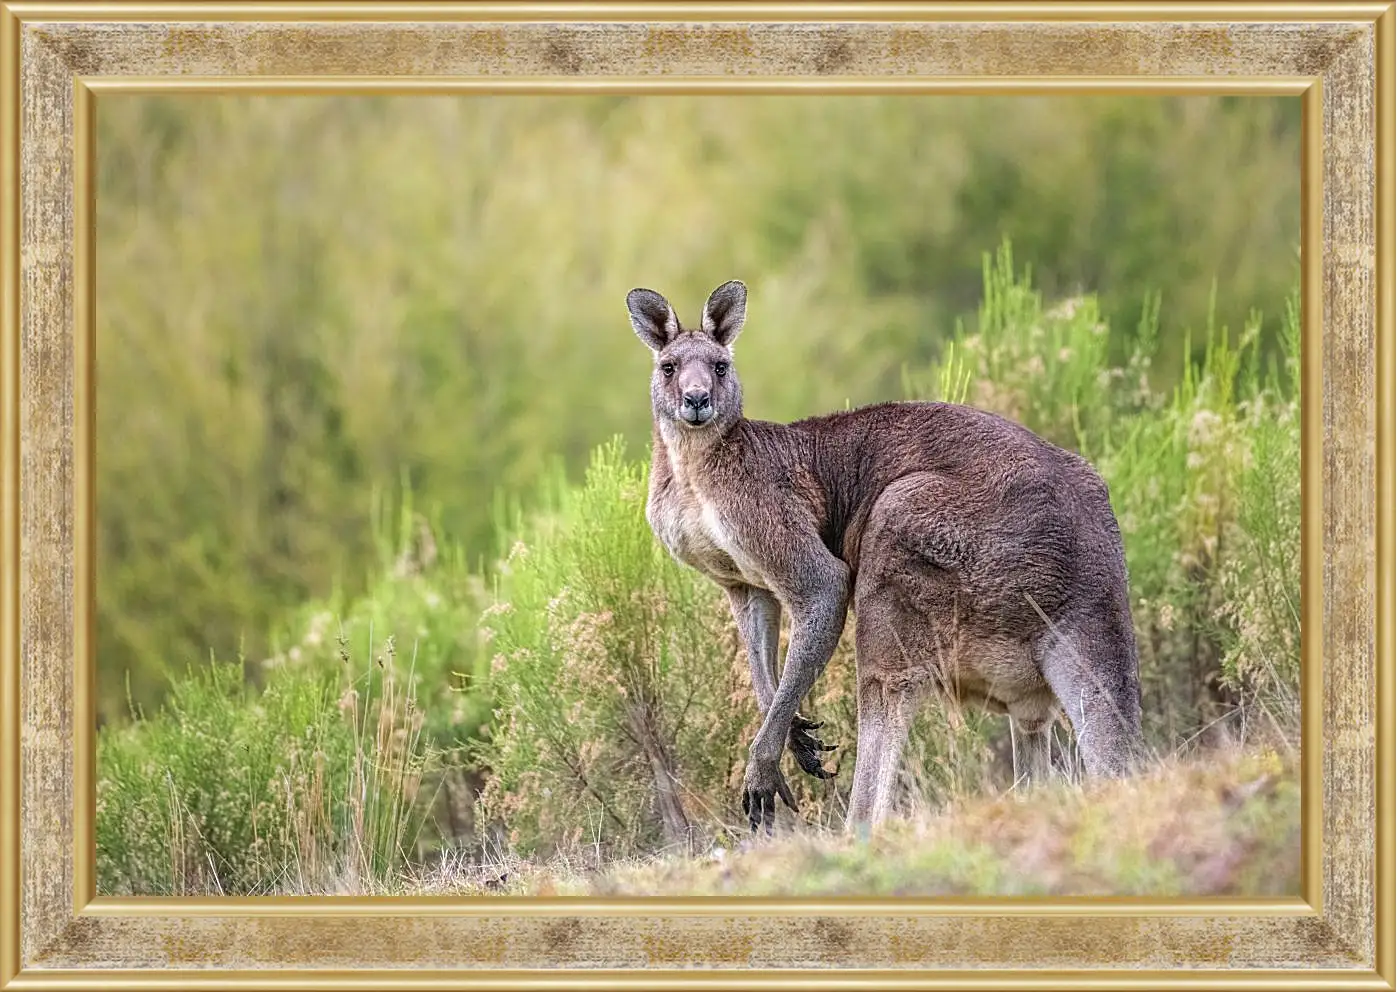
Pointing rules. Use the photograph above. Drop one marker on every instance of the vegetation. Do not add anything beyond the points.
(598, 695)
(311, 783)
(306, 301)
(379, 609)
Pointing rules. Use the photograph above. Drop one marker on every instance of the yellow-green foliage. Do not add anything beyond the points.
(304, 299)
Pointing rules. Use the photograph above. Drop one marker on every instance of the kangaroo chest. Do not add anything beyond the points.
(699, 533)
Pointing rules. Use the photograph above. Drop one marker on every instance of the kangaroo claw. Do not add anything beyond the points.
(809, 750)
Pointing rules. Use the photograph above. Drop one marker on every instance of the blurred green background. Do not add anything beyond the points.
(309, 306)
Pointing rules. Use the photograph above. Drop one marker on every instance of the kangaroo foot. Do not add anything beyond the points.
(809, 750)
(762, 784)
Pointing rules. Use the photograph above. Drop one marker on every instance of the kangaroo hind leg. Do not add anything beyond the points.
(872, 718)
(885, 716)
(886, 704)
(1092, 668)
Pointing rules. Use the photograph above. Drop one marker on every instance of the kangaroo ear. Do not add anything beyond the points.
(725, 311)
(652, 317)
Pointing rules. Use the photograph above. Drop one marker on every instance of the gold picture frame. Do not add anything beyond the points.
(57, 60)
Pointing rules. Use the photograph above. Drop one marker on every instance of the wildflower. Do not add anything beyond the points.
(1201, 428)
(496, 609)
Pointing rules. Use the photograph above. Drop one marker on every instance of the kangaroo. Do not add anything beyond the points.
(983, 563)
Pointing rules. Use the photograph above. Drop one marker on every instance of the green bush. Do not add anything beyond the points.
(1259, 608)
(619, 686)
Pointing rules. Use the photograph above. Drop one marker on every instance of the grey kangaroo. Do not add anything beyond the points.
(983, 564)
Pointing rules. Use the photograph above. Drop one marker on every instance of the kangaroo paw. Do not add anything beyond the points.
(760, 789)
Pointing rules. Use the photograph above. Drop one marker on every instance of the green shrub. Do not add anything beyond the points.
(1260, 572)
(620, 691)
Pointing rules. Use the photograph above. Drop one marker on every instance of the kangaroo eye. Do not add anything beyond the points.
(668, 369)
(720, 369)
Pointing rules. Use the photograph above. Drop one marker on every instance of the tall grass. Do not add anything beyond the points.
(329, 765)
(309, 784)
(1207, 490)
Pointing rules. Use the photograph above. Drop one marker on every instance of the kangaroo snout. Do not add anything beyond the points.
(697, 409)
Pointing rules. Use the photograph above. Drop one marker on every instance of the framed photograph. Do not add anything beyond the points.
(590, 495)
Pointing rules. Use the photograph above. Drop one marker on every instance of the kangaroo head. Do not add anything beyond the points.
(693, 386)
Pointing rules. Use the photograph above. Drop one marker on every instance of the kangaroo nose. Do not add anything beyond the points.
(696, 399)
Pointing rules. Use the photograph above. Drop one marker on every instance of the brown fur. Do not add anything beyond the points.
(983, 563)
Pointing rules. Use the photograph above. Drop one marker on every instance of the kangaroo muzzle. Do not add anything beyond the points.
(697, 407)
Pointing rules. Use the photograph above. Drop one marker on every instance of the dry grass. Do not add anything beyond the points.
(1215, 824)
